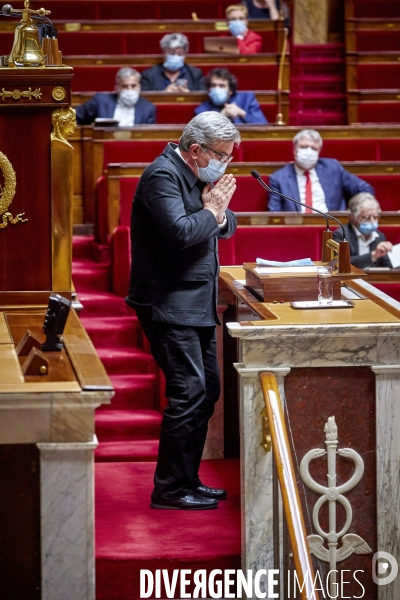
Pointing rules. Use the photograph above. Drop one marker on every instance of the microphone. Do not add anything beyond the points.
(344, 254)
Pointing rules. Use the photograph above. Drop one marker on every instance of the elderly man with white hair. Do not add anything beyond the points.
(319, 182)
(124, 104)
(179, 211)
(173, 75)
(368, 246)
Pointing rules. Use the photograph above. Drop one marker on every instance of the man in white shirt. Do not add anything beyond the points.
(320, 182)
(368, 246)
(124, 105)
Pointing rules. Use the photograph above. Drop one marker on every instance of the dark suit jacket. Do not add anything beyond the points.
(153, 78)
(174, 245)
(364, 260)
(102, 105)
(338, 185)
(245, 100)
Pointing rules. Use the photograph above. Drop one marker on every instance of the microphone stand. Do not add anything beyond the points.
(344, 265)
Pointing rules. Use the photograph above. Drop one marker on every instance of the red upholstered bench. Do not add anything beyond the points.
(131, 151)
(77, 10)
(381, 112)
(391, 289)
(392, 233)
(386, 190)
(249, 195)
(344, 150)
(378, 41)
(102, 77)
(370, 9)
(277, 243)
(378, 76)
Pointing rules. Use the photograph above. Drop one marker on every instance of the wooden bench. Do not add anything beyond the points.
(340, 142)
(116, 189)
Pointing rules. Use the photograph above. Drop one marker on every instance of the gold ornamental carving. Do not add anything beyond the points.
(17, 94)
(7, 193)
(58, 93)
(64, 123)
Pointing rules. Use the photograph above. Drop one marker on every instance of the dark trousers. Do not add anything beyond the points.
(188, 358)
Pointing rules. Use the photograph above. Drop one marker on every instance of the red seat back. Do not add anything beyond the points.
(277, 243)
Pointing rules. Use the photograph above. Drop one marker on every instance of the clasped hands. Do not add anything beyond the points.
(231, 111)
(216, 199)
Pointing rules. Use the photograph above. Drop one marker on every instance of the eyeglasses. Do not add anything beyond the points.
(367, 218)
(223, 158)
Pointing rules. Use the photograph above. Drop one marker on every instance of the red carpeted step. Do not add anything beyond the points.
(113, 331)
(131, 536)
(81, 247)
(90, 276)
(132, 391)
(127, 451)
(119, 361)
(120, 425)
(103, 304)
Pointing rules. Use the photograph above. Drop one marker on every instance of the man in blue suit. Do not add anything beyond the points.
(223, 97)
(321, 182)
(125, 104)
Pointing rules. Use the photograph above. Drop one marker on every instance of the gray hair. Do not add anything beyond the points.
(310, 133)
(126, 72)
(174, 40)
(206, 129)
(358, 202)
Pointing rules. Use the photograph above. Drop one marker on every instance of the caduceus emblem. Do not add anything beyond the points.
(7, 193)
(332, 494)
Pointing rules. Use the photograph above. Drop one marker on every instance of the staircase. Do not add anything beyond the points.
(317, 85)
(128, 428)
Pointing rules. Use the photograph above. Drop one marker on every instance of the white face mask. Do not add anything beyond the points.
(128, 98)
(306, 158)
(213, 171)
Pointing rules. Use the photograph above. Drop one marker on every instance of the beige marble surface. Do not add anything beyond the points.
(311, 21)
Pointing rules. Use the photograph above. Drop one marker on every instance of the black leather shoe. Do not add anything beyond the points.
(192, 501)
(208, 492)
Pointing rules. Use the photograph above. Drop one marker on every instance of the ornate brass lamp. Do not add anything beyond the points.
(26, 50)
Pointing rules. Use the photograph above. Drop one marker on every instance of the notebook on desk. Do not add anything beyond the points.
(227, 44)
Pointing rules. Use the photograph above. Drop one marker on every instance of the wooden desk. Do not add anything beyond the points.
(330, 362)
(46, 463)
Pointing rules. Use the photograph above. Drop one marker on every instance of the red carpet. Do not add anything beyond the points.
(131, 536)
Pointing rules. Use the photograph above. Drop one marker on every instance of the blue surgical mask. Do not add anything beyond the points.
(174, 62)
(218, 96)
(368, 227)
(213, 171)
(237, 27)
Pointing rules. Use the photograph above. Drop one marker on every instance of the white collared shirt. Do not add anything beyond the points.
(318, 196)
(125, 115)
(364, 243)
(224, 222)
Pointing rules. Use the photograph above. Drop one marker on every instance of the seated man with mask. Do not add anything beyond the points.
(368, 246)
(173, 75)
(319, 182)
(125, 104)
(239, 107)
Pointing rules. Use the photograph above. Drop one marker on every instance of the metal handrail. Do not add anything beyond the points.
(287, 480)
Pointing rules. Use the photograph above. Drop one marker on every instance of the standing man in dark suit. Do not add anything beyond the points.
(173, 75)
(125, 104)
(368, 246)
(177, 217)
(321, 182)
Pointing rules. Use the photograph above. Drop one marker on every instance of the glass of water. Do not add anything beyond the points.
(325, 285)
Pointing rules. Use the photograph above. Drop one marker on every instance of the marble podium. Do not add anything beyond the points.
(329, 363)
(46, 463)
